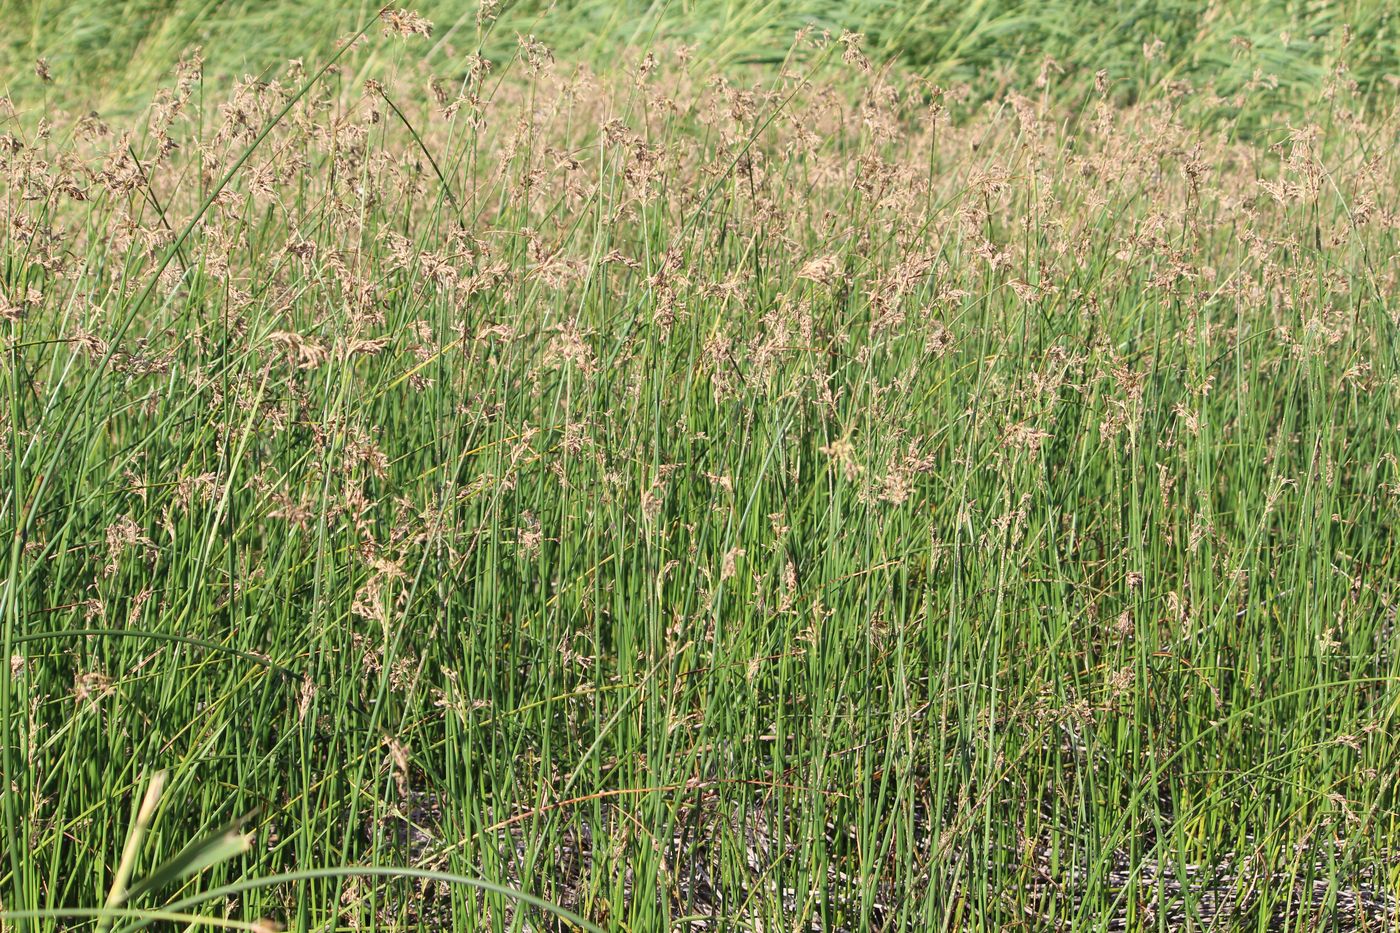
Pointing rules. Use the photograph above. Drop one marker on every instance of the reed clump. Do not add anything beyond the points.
(789, 496)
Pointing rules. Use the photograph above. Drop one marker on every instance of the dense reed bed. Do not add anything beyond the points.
(792, 496)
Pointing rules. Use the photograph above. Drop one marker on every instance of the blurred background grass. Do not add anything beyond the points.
(109, 54)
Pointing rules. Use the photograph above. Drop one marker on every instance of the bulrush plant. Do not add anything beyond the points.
(794, 497)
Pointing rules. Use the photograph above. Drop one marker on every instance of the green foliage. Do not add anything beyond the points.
(110, 53)
(748, 486)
